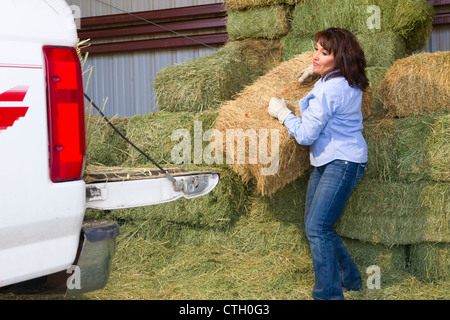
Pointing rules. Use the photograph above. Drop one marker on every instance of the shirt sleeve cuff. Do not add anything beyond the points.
(290, 117)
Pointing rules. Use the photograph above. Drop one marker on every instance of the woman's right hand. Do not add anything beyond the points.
(278, 109)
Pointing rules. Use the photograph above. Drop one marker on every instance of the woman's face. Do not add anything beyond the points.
(323, 61)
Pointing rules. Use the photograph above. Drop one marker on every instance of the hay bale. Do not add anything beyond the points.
(375, 76)
(153, 133)
(382, 49)
(312, 16)
(248, 112)
(261, 55)
(394, 213)
(248, 4)
(265, 22)
(408, 149)
(365, 254)
(294, 45)
(203, 83)
(418, 84)
(411, 19)
(103, 145)
(430, 261)
(439, 149)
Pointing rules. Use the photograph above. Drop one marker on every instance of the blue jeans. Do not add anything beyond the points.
(329, 188)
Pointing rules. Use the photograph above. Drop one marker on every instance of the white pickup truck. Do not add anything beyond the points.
(45, 244)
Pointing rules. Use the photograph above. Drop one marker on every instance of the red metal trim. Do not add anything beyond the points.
(441, 18)
(162, 43)
(438, 3)
(209, 9)
(204, 23)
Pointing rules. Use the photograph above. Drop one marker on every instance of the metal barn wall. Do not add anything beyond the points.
(439, 39)
(440, 36)
(126, 79)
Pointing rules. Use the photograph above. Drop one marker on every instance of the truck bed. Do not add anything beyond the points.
(98, 174)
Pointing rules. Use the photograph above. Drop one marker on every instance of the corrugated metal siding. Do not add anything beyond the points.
(126, 79)
(439, 39)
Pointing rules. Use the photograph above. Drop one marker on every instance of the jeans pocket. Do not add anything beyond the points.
(342, 163)
(362, 168)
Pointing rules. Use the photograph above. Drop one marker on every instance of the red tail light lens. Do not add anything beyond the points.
(65, 102)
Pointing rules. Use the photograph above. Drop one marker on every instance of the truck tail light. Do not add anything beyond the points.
(65, 103)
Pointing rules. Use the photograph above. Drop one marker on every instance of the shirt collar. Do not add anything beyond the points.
(324, 78)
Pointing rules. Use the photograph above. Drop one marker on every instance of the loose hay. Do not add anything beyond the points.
(418, 84)
(197, 254)
(394, 213)
(265, 22)
(203, 83)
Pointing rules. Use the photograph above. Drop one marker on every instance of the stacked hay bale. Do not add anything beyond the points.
(387, 29)
(404, 198)
(203, 83)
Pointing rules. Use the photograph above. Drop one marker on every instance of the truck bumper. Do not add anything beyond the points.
(92, 268)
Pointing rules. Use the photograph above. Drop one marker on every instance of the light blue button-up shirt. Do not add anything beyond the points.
(331, 122)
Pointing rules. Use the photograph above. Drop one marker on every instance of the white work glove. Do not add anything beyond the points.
(307, 75)
(278, 109)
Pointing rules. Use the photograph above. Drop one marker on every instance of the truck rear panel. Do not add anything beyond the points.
(40, 221)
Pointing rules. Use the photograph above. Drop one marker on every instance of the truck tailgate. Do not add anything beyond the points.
(118, 187)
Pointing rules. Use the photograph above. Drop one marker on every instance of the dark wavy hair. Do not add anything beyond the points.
(348, 56)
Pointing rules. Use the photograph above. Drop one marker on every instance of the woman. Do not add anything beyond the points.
(331, 125)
